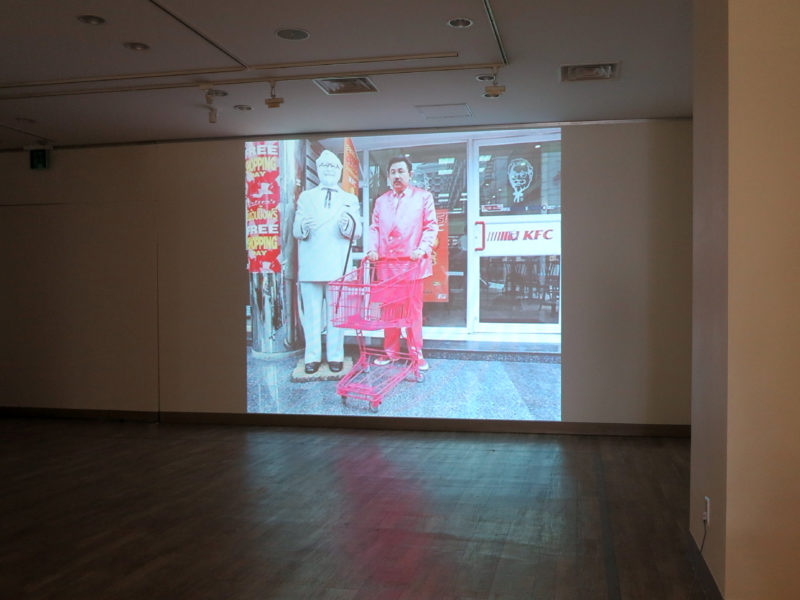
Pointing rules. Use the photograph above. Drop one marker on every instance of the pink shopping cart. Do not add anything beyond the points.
(375, 296)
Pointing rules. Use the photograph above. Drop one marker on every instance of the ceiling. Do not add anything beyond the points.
(65, 83)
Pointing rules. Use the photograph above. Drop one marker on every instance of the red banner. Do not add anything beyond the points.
(263, 196)
(436, 286)
(350, 167)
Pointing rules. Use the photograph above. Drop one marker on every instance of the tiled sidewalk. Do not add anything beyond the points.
(453, 388)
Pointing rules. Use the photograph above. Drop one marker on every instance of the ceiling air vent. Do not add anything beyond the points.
(589, 72)
(346, 85)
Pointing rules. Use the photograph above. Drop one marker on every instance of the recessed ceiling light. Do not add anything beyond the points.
(485, 77)
(91, 19)
(491, 95)
(460, 23)
(243, 107)
(138, 46)
(293, 34)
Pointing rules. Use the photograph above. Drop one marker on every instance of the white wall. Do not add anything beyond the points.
(710, 282)
(627, 272)
(179, 219)
(202, 276)
(78, 296)
(763, 450)
(745, 399)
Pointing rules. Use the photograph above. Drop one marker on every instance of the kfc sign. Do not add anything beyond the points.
(519, 236)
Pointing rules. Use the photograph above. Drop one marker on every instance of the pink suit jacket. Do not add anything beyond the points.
(394, 234)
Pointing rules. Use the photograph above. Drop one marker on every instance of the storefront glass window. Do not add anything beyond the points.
(520, 179)
(520, 289)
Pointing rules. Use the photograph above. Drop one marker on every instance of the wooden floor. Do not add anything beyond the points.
(95, 510)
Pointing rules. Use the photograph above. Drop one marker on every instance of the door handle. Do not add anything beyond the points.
(483, 235)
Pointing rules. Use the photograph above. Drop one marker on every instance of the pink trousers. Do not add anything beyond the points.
(391, 339)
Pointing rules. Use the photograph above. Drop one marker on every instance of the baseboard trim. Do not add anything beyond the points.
(16, 412)
(413, 424)
(340, 422)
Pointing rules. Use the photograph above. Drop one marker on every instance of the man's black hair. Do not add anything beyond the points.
(398, 159)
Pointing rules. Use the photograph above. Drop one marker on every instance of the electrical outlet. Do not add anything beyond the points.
(707, 512)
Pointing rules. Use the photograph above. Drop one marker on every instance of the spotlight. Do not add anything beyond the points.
(212, 93)
(493, 91)
(212, 115)
(273, 101)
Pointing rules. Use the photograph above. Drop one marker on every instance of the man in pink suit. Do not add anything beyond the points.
(404, 226)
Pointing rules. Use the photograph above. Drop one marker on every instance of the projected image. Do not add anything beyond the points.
(406, 275)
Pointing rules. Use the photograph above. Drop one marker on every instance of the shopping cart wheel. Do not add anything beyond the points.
(344, 398)
(420, 378)
(373, 407)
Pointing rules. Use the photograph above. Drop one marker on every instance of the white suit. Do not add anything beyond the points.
(323, 229)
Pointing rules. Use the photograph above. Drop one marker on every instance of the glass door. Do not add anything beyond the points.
(441, 169)
(514, 263)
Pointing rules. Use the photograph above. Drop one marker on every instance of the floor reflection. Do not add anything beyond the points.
(384, 533)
